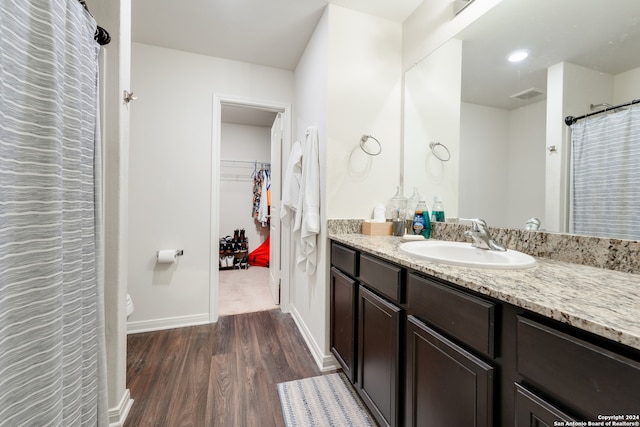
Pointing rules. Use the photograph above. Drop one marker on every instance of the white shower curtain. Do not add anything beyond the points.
(52, 369)
(606, 175)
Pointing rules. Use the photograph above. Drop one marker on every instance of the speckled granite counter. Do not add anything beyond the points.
(604, 302)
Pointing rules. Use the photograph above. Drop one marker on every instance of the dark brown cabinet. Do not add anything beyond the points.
(471, 320)
(586, 378)
(422, 351)
(343, 317)
(446, 386)
(343, 307)
(533, 411)
(378, 356)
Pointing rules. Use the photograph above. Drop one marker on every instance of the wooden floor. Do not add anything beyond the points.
(223, 374)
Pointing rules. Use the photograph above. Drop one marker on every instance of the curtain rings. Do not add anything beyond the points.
(440, 156)
(364, 139)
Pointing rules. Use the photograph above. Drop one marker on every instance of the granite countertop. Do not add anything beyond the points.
(604, 302)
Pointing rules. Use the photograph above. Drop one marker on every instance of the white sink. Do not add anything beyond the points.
(465, 255)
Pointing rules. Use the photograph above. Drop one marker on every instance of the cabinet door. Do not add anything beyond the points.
(446, 386)
(583, 377)
(343, 321)
(532, 411)
(378, 356)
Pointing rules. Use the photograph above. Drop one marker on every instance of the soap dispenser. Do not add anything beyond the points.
(411, 209)
(437, 210)
(421, 224)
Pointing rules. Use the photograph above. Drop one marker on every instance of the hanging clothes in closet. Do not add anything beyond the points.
(262, 195)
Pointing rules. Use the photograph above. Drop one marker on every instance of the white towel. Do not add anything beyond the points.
(307, 221)
(291, 184)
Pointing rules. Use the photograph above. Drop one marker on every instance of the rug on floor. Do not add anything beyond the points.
(326, 400)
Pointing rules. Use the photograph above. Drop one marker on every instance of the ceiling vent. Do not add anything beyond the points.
(526, 94)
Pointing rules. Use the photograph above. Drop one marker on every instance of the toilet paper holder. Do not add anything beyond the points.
(179, 252)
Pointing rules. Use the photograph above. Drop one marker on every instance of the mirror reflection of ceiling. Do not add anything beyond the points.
(603, 35)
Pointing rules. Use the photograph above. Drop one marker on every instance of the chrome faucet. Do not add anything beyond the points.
(481, 237)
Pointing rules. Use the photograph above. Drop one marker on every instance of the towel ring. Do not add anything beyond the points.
(364, 139)
(433, 146)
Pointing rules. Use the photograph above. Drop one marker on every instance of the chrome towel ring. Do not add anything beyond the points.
(364, 139)
(440, 156)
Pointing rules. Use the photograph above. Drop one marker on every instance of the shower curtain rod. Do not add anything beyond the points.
(101, 36)
(569, 120)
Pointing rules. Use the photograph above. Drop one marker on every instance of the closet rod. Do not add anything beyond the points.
(569, 120)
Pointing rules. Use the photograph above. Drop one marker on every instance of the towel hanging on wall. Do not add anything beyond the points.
(291, 184)
(307, 221)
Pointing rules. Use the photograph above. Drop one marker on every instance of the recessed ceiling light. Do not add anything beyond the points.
(518, 55)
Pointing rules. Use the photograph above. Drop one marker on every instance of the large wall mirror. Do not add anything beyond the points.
(488, 135)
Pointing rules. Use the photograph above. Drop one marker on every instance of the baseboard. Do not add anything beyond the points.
(167, 323)
(118, 415)
(324, 362)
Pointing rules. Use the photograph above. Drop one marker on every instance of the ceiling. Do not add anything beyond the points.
(589, 33)
(273, 33)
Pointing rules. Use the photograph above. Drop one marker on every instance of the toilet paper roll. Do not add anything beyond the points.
(167, 256)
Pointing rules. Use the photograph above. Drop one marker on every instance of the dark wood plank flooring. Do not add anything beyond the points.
(223, 374)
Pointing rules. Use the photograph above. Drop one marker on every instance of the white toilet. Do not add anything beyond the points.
(129, 305)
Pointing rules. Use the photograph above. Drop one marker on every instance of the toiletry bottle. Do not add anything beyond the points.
(411, 209)
(421, 224)
(437, 211)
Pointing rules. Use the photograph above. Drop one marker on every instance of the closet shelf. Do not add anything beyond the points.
(243, 163)
(234, 170)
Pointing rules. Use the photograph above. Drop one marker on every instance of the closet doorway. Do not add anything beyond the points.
(249, 140)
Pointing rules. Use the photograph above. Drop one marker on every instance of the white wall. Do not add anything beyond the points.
(433, 23)
(502, 160)
(115, 16)
(348, 83)
(484, 163)
(626, 86)
(243, 143)
(308, 294)
(527, 156)
(365, 86)
(170, 175)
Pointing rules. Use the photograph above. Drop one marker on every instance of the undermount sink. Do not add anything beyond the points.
(465, 255)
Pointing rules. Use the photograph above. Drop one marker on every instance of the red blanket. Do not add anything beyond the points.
(260, 256)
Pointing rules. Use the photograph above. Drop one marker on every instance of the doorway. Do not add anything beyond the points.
(249, 138)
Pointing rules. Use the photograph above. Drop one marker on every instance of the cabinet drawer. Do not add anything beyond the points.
(383, 277)
(344, 259)
(586, 378)
(467, 318)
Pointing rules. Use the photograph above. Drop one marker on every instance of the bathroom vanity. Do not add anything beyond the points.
(431, 344)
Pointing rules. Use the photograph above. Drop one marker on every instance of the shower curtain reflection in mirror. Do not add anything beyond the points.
(605, 173)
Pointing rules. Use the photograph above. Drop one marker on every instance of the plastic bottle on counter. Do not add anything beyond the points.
(437, 211)
(421, 223)
(411, 209)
